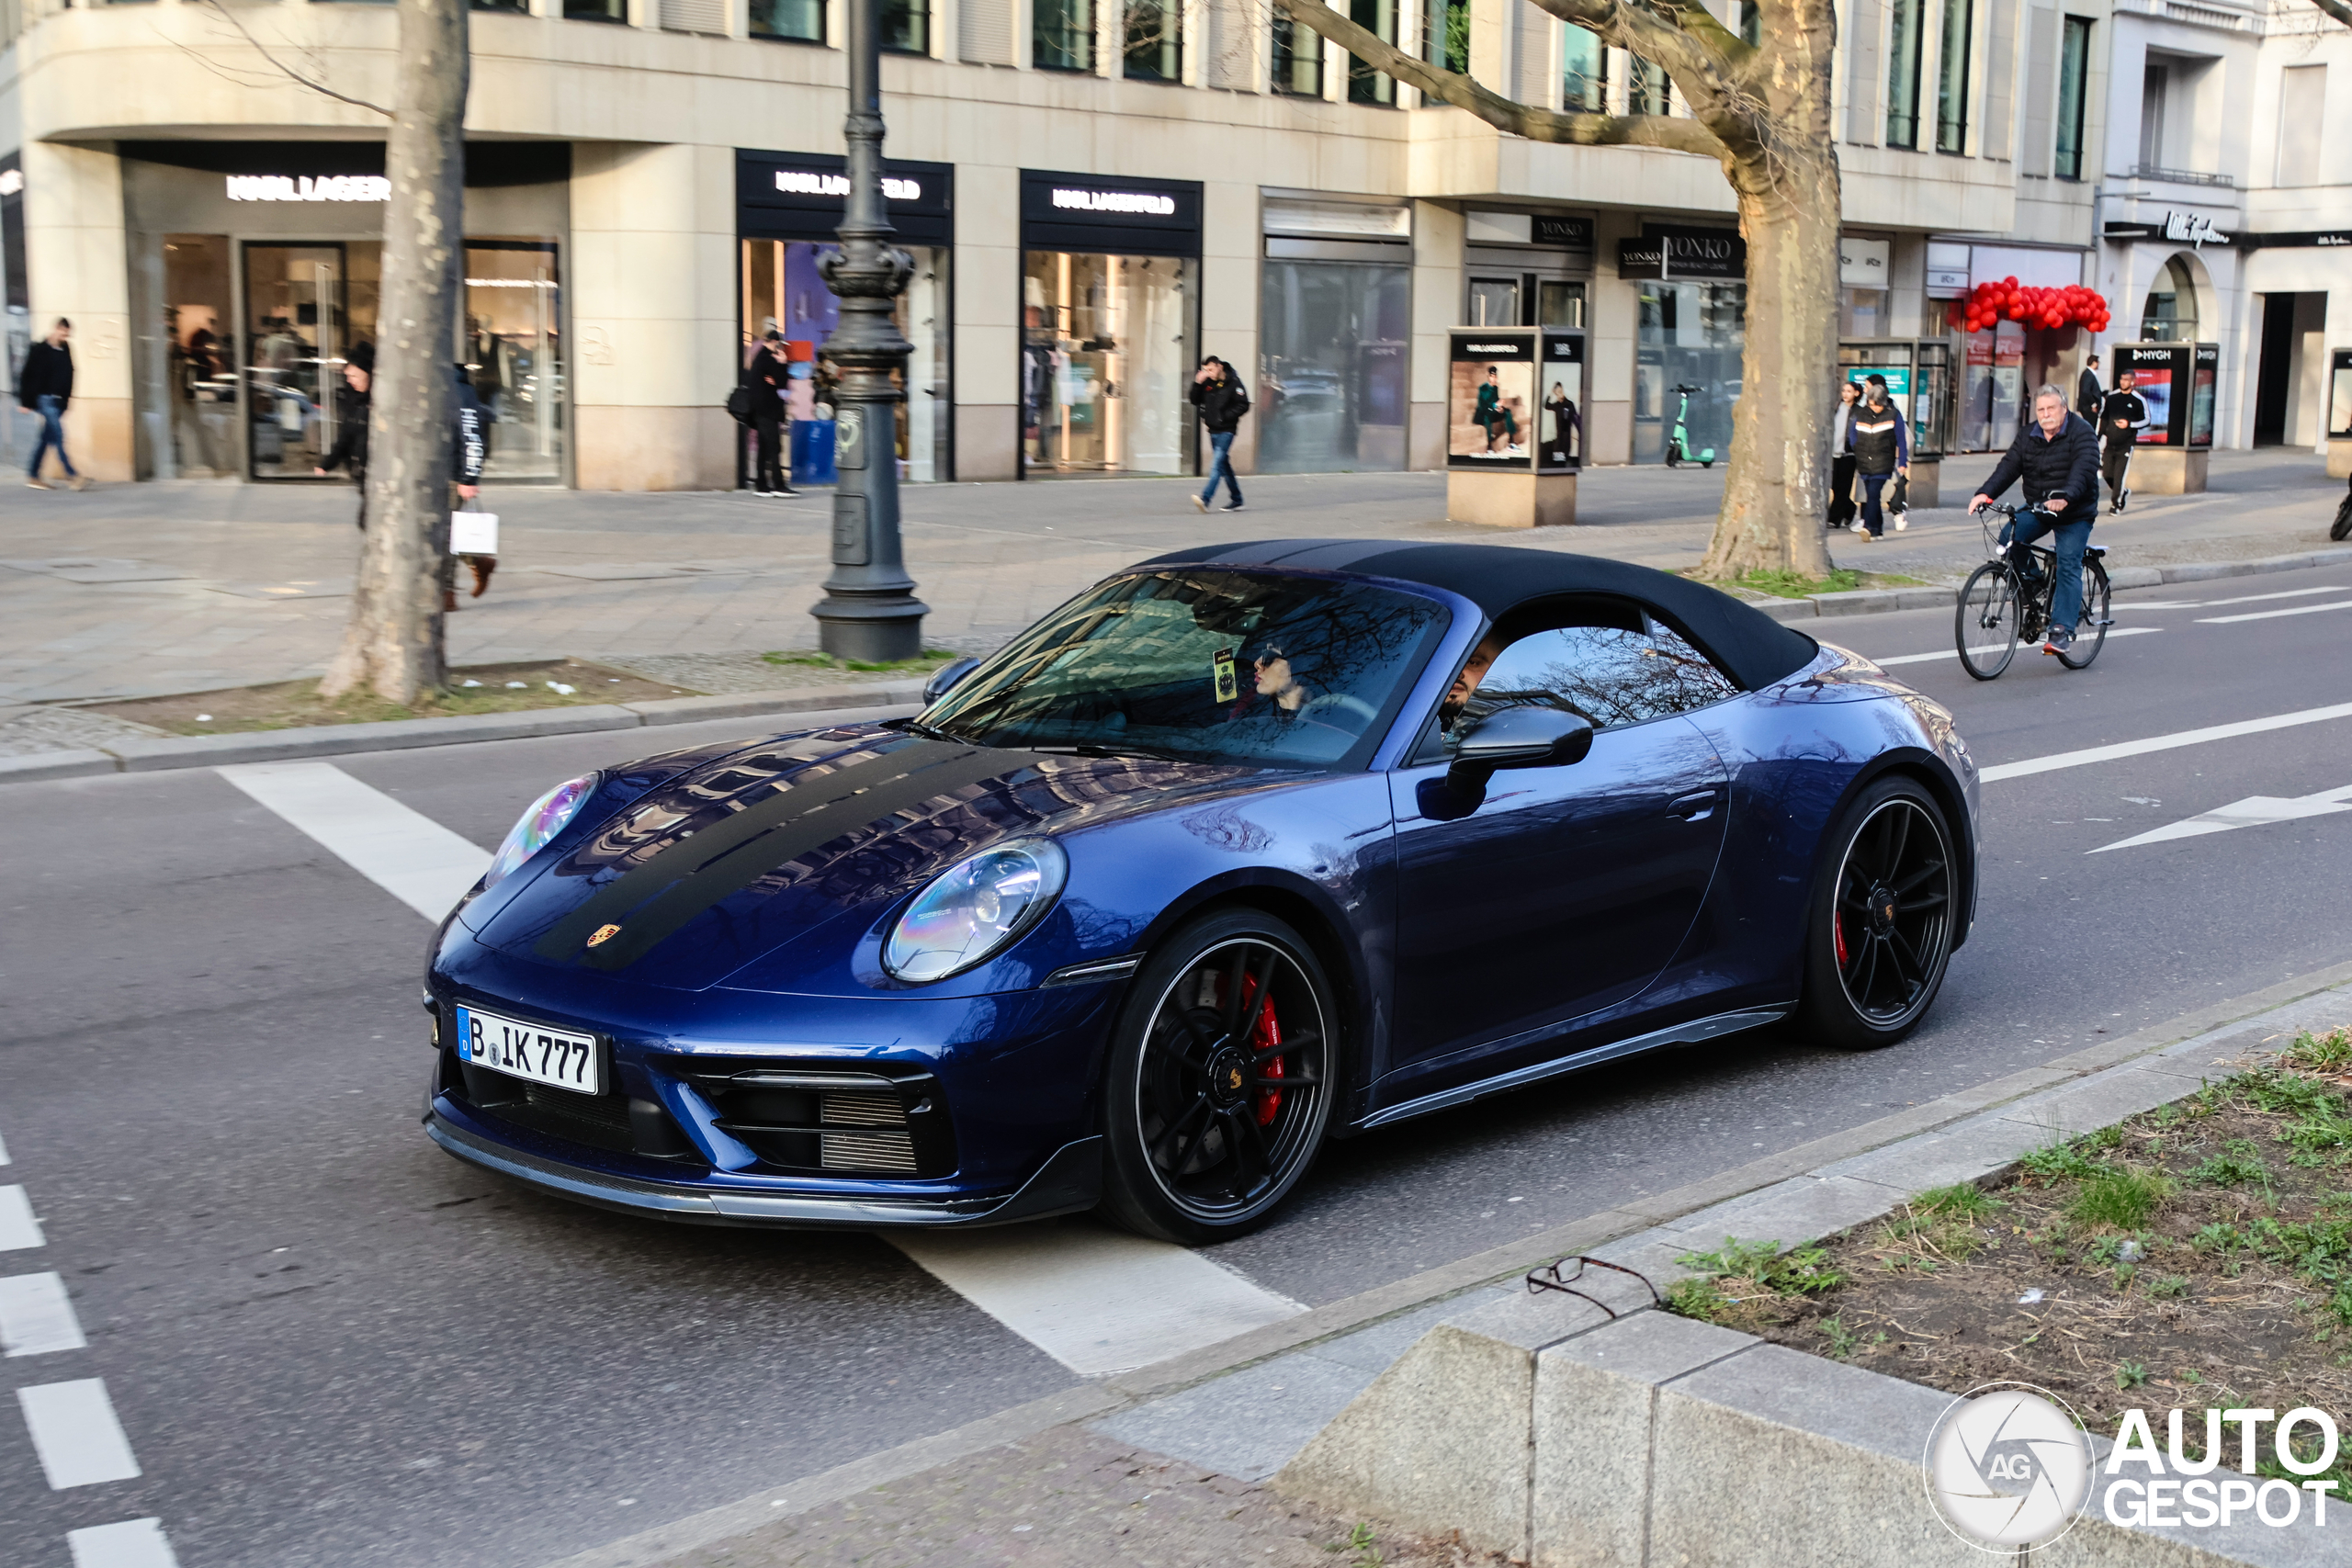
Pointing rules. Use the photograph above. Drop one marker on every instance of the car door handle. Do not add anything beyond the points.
(1694, 807)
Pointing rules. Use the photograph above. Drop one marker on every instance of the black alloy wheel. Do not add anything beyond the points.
(1985, 624)
(2090, 628)
(1220, 1081)
(1883, 913)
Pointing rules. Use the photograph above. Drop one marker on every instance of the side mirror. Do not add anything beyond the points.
(944, 678)
(1525, 738)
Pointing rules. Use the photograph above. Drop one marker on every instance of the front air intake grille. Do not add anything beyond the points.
(891, 1154)
(839, 1123)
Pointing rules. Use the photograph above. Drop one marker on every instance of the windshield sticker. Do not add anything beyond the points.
(1226, 688)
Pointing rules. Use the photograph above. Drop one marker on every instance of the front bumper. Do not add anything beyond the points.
(1070, 1181)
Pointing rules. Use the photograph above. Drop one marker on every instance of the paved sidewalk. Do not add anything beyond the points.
(142, 590)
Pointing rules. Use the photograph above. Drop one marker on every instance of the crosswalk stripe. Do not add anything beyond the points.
(75, 1434)
(400, 850)
(133, 1543)
(37, 1316)
(1096, 1300)
(2088, 755)
(18, 1229)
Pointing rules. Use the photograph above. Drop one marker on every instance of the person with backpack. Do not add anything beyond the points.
(1222, 399)
(2123, 414)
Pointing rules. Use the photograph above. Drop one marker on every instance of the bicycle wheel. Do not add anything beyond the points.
(2090, 631)
(1984, 626)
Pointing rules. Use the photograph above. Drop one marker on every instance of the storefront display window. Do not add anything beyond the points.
(1691, 335)
(1332, 385)
(1106, 357)
(2169, 313)
(307, 307)
(512, 351)
(202, 373)
(1991, 396)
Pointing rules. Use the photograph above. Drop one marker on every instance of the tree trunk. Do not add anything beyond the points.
(392, 642)
(1776, 484)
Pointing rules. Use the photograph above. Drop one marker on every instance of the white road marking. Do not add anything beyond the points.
(406, 853)
(2084, 758)
(1096, 1300)
(37, 1316)
(18, 1229)
(2254, 811)
(2257, 598)
(2272, 615)
(133, 1543)
(75, 1433)
(2112, 633)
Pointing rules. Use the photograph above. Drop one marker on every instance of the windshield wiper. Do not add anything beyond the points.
(1099, 749)
(916, 727)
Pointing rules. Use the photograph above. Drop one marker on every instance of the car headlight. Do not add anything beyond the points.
(541, 822)
(973, 908)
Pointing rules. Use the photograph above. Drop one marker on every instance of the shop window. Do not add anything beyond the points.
(1952, 77)
(310, 308)
(1559, 304)
(612, 11)
(1494, 302)
(783, 292)
(1903, 55)
(1106, 360)
(512, 347)
(1366, 86)
(1861, 313)
(1445, 35)
(906, 26)
(1583, 71)
(1647, 88)
(1689, 336)
(1063, 35)
(200, 374)
(794, 21)
(2169, 313)
(1155, 48)
(2074, 94)
(1298, 59)
(1330, 396)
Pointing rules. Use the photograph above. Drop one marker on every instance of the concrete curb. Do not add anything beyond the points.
(1880, 601)
(139, 756)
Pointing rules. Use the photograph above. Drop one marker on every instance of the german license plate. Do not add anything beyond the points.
(553, 1056)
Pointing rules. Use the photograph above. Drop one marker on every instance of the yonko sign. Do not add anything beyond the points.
(309, 187)
(2008, 1465)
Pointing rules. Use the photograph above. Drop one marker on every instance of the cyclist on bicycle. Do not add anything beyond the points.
(2057, 457)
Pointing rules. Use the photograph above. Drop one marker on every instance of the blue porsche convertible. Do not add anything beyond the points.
(1243, 849)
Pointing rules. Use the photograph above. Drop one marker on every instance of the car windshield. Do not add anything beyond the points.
(1202, 665)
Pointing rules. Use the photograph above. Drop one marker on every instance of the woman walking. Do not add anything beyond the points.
(1841, 457)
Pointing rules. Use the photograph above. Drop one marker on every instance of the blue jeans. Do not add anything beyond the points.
(2066, 604)
(1221, 464)
(50, 407)
(1873, 515)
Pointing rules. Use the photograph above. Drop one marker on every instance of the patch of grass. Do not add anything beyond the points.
(2061, 1162)
(1786, 584)
(1801, 1270)
(2239, 1163)
(2172, 1287)
(2329, 1052)
(1961, 1200)
(2121, 1199)
(929, 660)
(1697, 1299)
(2131, 1374)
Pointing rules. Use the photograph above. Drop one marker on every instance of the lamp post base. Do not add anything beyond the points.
(872, 631)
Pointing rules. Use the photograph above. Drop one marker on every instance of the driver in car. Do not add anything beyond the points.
(1276, 680)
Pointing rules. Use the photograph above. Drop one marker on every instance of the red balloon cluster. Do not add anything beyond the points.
(1989, 303)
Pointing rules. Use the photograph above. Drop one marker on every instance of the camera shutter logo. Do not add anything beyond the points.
(2008, 1466)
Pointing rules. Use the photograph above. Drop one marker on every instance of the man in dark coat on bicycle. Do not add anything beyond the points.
(2057, 457)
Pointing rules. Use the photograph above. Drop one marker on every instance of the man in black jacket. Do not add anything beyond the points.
(1218, 393)
(2057, 459)
(351, 403)
(44, 386)
(2088, 392)
(2123, 414)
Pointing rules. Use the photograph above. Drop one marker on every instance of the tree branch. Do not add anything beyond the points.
(2339, 9)
(286, 70)
(1503, 114)
(1697, 50)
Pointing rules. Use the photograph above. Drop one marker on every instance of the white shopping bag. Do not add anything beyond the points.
(473, 533)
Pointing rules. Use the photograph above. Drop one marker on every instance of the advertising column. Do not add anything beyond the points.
(1514, 426)
(1110, 315)
(2177, 382)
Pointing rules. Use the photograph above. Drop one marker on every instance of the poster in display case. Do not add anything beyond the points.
(2339, 397)
(2177, 382)
(1490, 400)
(1559, 419)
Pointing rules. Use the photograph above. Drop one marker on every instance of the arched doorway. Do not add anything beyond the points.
(2171, 312)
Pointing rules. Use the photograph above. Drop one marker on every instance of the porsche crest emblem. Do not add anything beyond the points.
(602, 934)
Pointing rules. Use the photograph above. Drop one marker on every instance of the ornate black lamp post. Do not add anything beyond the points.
(869, 611)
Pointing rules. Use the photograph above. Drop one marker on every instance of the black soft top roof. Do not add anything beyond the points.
(1754, 649)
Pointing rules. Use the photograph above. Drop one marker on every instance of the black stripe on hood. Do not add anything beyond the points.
(652, 901)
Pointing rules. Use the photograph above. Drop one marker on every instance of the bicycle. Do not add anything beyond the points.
(1997, 609)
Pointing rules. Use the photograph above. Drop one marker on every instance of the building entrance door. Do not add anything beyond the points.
(307, 307)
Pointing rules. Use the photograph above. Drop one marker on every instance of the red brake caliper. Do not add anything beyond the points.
(1266, 1037)
(1837, 924)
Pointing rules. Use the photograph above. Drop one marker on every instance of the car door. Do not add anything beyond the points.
(1567, 889)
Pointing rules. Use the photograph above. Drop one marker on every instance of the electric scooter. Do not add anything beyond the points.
(1678, 446)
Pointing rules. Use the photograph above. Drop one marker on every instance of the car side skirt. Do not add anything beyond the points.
(1690, 1034)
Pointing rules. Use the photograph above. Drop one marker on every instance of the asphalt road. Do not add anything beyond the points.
(329, 1344)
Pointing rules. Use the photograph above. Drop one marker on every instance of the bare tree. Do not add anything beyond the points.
(1762, 111)
(394, 641)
